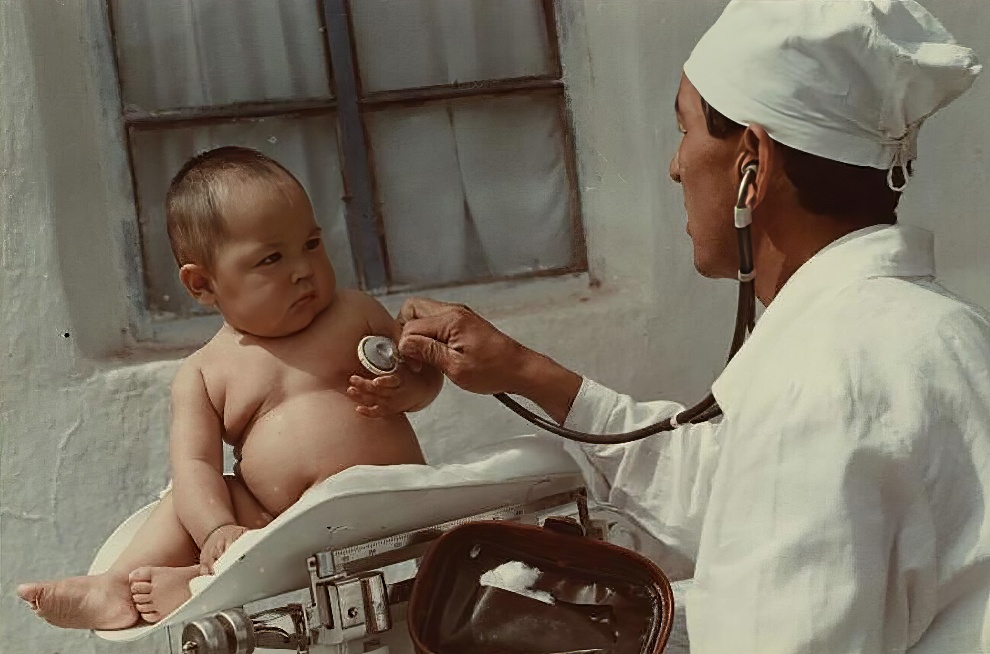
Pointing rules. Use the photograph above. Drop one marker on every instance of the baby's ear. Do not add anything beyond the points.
(197, 281)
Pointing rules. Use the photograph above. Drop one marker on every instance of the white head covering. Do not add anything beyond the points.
(848, 80)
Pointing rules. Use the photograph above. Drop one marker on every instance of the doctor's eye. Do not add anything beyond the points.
(275, 257)
(312, 244)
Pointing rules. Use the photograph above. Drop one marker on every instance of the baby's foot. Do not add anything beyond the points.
(90, 602)
(159, 591)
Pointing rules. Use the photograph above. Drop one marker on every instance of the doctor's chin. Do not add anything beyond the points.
(517, 327)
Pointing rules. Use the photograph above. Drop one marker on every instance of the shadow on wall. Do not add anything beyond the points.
(85, 180)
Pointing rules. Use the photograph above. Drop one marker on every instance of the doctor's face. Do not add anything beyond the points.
(704, 166)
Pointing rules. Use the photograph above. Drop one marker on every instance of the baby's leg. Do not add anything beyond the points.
(163, 558)
(160, 588)
(104, 601)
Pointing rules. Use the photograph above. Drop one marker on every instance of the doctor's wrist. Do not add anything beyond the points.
(546, 382)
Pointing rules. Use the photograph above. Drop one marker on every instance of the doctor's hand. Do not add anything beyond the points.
(467, 348)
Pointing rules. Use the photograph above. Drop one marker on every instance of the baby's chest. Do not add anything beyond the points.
(262, 382)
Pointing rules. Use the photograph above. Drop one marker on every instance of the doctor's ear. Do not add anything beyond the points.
(198, 282)
(757, 149)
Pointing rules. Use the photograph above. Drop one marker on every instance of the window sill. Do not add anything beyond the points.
(498, 299)
(494, 300)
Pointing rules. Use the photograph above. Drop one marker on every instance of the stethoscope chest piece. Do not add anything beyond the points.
(379, 355)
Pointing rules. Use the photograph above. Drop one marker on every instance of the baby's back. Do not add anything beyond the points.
(283, 404)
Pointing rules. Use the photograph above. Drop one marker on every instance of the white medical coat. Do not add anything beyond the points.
(841, 503)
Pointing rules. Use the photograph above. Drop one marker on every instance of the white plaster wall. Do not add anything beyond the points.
(83, 409)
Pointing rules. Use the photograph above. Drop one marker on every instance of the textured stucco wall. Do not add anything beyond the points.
(83, 411)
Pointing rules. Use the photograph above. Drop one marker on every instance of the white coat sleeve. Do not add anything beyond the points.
(819, 535)
(661, 483)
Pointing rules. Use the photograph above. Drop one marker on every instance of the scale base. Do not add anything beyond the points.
(358, 594)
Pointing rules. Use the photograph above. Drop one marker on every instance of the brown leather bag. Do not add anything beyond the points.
(588, 597)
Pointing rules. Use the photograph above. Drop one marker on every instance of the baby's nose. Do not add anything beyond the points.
(302, 271)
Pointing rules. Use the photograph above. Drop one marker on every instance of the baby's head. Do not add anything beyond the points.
(246, 241)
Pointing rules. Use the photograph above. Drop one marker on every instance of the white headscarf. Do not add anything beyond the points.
(848, 80)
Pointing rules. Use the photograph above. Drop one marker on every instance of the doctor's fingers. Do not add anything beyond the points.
(422, 307)
(440, 327)
(428, 350)
(457, 327)
(476, 365)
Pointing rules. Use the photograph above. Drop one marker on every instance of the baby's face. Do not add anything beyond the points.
(272, 276)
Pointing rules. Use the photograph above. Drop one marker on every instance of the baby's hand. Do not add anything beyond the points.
(380, 397)
(217, 543)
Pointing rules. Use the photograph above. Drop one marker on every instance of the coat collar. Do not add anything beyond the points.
(880, 251)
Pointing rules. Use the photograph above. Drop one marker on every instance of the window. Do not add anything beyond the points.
(432, 135)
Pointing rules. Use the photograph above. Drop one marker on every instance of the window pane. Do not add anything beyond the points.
(413, 43)
(306, 146)
(474, 189)
(191, 53)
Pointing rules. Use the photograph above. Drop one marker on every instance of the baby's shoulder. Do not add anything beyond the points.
(197, 366)
(361, 306)
(188, 376)
(356, 300)
(351, 305)
(200, 378)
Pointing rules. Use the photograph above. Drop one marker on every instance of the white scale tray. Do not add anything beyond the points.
(359, 505)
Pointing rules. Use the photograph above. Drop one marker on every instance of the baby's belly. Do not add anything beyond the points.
(313, 436)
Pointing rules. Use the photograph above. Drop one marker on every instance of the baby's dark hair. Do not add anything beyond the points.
(824, 186)
(196, 198)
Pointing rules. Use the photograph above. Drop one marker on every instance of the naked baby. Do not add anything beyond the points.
(280, 382)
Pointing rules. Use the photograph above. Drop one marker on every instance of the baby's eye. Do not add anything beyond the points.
(270, 259)
(312, 244)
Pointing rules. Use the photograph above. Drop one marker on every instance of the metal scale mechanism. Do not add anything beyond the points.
(358, 593)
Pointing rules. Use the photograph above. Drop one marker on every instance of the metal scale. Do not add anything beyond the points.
(358, 593)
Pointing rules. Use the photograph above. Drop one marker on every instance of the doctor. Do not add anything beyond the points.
(842, 502)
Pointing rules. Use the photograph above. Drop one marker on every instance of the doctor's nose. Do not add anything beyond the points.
(675, 170)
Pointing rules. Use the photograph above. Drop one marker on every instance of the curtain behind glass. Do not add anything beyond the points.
(414, 43)
(474, 189)
(192, 53)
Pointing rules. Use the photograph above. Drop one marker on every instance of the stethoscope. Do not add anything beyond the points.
(380, 356)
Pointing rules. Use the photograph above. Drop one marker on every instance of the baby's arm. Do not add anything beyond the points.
(403, 391)
(202, 501)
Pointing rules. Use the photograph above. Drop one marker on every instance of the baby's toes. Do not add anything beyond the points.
(140, 588)
(140, 583)
(150, 616)
(141, 598)
(140, 575)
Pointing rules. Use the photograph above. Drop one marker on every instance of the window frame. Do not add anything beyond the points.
(364, 218)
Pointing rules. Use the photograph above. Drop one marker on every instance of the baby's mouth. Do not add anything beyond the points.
(308, 297)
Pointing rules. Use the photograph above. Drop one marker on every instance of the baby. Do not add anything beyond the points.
(279, 382)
